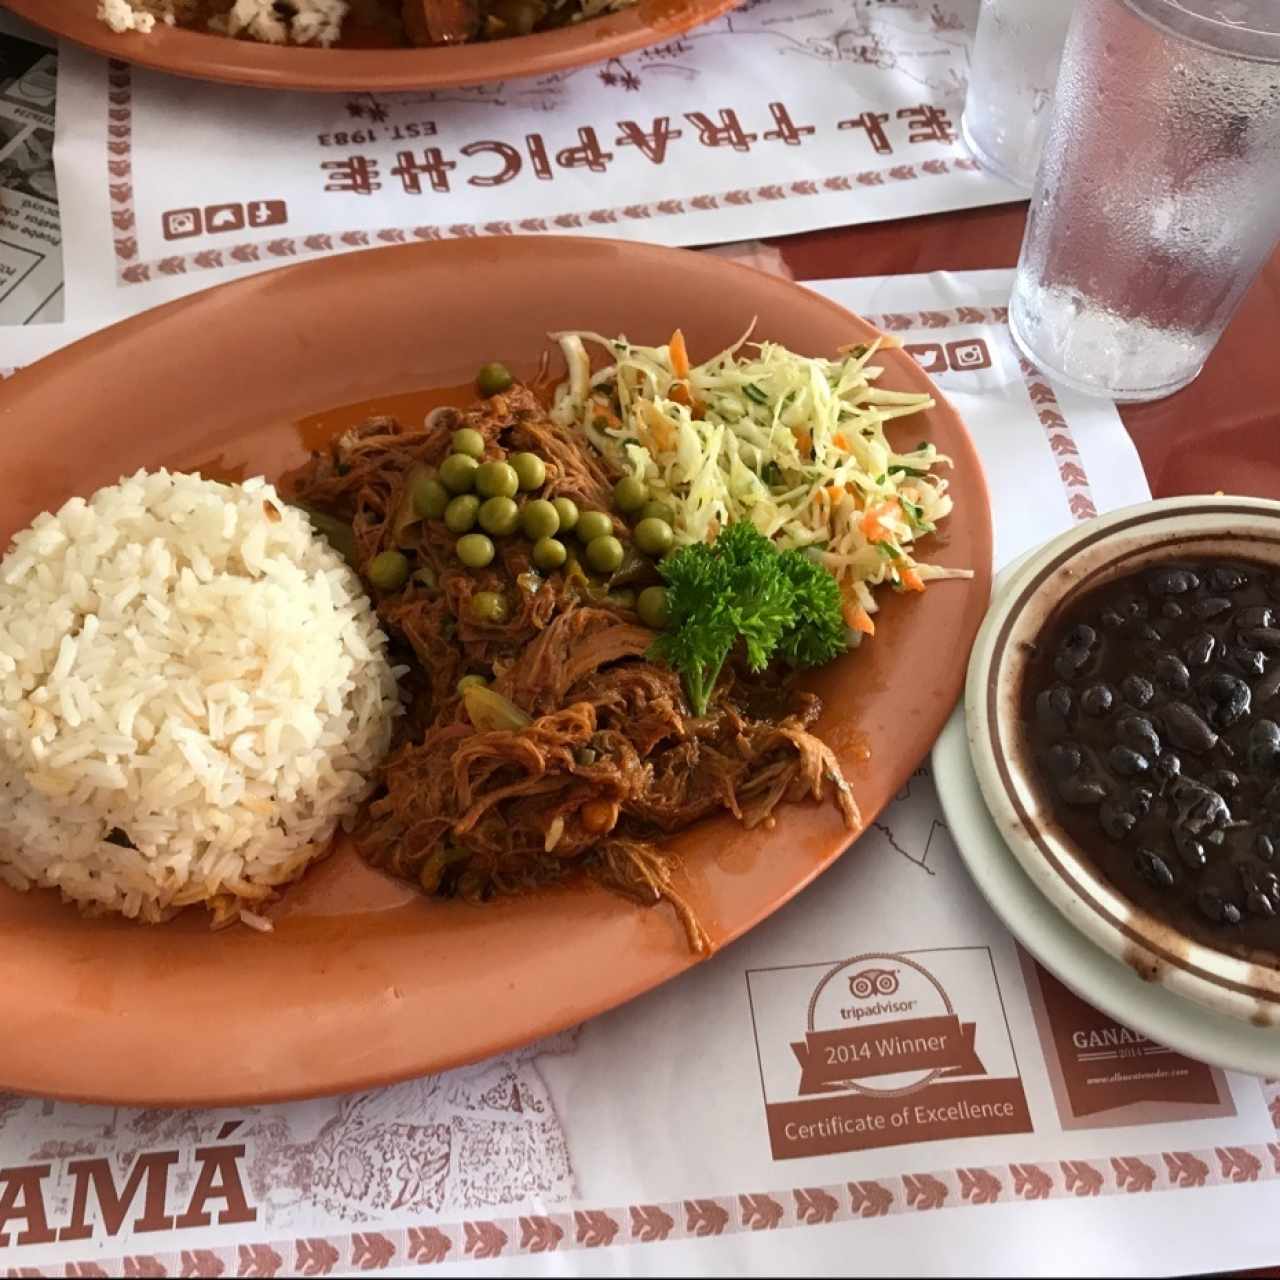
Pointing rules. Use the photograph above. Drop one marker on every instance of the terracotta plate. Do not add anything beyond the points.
(209, 57)
(364, 982)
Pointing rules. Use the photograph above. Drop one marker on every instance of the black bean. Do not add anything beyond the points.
(1197, 650)
(1224, 577)
(1153, 868)
(1075, 650)
(1112, 619)
(1256, 615)
(1264, 745)
(1141, 800)
(1080, 793)
(1273, 586)
(1223, 781)
(1065, 759)
(1226, 699)
(1172, 610)
(1081, 636)
(1172, 672)
(1053, 706)
(1149, 634)
(1249, 661)
(1068, 662)
(1117, 823)
(1190, 850)
(1171, 582)
(1131, 608)
(1210, 607)
(1199, 808)
(1267, 638)
(1127, 762)
(1137, 690)
(1217, 909)
(1097, 700)
(1271, 801)
(1260, 905)
(1186, 729)
(1168, 766)
(1264, 846)
(1139, 733)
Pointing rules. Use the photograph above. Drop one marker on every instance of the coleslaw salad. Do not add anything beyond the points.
(795, 444)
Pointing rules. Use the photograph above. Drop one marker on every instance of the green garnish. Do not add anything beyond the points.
(742, 588)
(915, 516)
(752, 392)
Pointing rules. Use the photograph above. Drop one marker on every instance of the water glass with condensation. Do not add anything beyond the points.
(1158, 197)
(1012, 72)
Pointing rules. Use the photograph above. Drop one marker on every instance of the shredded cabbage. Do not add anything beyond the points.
(795, 444)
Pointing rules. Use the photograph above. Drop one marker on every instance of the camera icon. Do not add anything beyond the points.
(180, 223)
(969, 354)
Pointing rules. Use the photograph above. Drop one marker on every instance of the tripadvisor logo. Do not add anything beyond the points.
(899, 1034)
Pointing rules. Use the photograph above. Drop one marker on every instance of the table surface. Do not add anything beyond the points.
(1220, 433)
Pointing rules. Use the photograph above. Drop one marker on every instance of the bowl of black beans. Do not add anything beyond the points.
(1123, 709)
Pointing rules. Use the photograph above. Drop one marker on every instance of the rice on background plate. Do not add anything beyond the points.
(293, 22)
(194, 692)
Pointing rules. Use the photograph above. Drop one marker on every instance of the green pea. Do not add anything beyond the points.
(604, 554)
(488, 606)
(460, 514)
(469, 441)
(592, 525)
(530, 470)
(388, 570)
(468, 681)
(654, 536)
(475, 551)
(539, 519)
(499, 516)
(458, 473)
(652, 607)
(493, 378)
(429, 497)
(655, 510)
(584, 756)
(567, 510)
(630, 494)
(496, 480)
(549, 554)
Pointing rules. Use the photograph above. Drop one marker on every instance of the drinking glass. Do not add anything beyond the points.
(1012, 71)
(1158, 197)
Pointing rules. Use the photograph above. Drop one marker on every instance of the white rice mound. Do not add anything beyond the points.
(186, 668)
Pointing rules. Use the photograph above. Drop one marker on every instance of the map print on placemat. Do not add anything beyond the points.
(479, 1138)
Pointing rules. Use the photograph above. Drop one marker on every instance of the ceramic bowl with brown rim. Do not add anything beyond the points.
(1079, 866)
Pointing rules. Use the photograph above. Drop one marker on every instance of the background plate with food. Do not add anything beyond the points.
(366, 45)
(730, 513)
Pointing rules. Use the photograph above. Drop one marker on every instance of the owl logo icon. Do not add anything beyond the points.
(873, 982)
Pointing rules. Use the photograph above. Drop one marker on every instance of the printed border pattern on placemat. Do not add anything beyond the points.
(130, 269)
(1049, 412)
(482, 1240)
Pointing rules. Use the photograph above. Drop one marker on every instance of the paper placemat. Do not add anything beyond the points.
(718, 1124)
(780, 117)
(30, 230)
